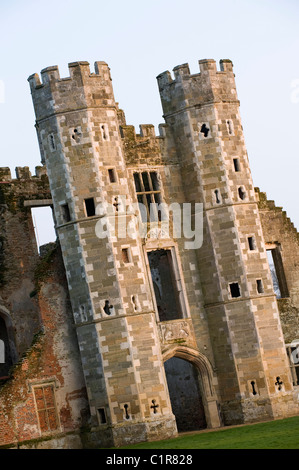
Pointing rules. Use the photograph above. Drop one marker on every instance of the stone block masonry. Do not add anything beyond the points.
(129, 326)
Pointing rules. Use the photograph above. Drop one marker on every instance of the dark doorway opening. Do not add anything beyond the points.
(185, 396)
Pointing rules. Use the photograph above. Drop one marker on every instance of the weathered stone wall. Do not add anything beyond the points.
(279, 230)
(19, 253)
(53, 358)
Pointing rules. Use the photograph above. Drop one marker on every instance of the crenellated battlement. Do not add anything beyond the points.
(22, 173)
(186, 89)
(146, 133)
(83, 88)
(79, 71)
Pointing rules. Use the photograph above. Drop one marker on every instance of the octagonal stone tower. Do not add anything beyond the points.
(78, 131)
(202, 112)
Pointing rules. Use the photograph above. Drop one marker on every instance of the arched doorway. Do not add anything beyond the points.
(196, 366)
(185, 394)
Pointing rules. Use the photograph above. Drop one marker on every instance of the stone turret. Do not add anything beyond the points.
(202, 112)
(78, 129)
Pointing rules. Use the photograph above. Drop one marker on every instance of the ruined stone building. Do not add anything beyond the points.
(170, 300)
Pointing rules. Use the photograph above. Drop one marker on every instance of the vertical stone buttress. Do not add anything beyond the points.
(78, 132)
(202, 111)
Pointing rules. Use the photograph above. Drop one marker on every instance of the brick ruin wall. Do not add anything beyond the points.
(278, 230)
(35, 304)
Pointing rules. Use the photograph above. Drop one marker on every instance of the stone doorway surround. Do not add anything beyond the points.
(207, 377)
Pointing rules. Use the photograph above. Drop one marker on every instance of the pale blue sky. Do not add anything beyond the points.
(141, 39)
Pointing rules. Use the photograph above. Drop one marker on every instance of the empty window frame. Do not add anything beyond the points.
(277, 272)
(112, 175)
(251, 243)
(126, 255)
(102, 415)
(65, 213)
(234, 290)
(237, 165)
(259, 286)
(167, 285)
(293, 355)
(148, 193)
(230, 126)
(46, 407)
(89, 205)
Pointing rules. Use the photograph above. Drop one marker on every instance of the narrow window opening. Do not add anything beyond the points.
(251, 243)
(127, 416)
(277, 273)
(259, 286)
(167, 288)
(52, 142)
(89, 207)
(230, 126)
(242, 193)
(83, 315)
(102, 415)
(76, 136)
(112, 175)
(252, 383)
(104, 131)
(154, 406)
(65, 212)
(237, 165)
(204, 130)
(107, 307)
(125, 255)
(217, 196)
(235, 289)
(136, 304)
(279, 383)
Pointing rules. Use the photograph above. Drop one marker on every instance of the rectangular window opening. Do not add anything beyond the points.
(43, 222)
(235, 289)
(102, 415)
(259, 286)
(251, 243)
(65, 212)
(167, 287)
(277, 273)
(237, 165)
(126, 255)
(89, 207)
(112, 175)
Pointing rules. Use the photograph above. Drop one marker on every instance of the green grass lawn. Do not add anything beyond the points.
(280, 434)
